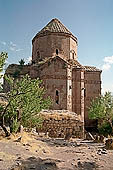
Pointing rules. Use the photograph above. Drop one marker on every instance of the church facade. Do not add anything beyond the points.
(70, 85)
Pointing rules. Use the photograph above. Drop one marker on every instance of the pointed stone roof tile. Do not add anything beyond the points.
(55, 26)
(91, 68)
(76, 64)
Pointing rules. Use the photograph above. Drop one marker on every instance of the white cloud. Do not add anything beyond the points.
(106, 66)
(14, 47)
(29, 59)
(12, 44)
(3, 43)
(19, 49)
(107, 88)
(108, 60)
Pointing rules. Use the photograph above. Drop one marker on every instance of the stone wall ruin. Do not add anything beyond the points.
(61, 123)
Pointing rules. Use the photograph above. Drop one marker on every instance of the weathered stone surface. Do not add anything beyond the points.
(61, 124)
(70, 85)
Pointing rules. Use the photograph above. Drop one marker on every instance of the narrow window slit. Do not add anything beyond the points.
(57, 97)
(57, 51)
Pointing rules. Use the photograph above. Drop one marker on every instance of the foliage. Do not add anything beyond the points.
(17, 71)
(105, 129)
(102, 109)
(3, 57)
(21, 62)
(25, 101)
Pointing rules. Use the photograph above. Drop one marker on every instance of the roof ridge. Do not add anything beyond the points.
(62, 24)
(92, 68)
(55, 25)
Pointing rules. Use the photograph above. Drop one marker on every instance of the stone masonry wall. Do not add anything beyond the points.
(48, 44)
(54, 76)
(67, 47)
(76, 93)
(92, 90)
(73, 49)
(59, 123)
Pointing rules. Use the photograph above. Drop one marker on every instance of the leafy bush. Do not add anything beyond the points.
(105, 129)
(25, 101)
(101, 109)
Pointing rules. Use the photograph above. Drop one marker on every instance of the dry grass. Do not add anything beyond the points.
(30, 141)
(56, 116)
(6, 156)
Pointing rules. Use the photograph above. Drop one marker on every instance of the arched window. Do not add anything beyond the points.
(57, 51)
(57, 97)
(73, 55)
(84, 92)
(39, 58)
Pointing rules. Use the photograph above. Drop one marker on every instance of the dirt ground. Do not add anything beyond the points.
(42, 153)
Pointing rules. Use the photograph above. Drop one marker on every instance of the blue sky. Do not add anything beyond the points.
(91, 21)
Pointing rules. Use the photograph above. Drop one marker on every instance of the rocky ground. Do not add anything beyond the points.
(42, 153)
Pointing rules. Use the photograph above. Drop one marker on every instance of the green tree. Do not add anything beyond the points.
(19, 69)
(102, 109)
(21, 62)
(3, 57)
(24, 102)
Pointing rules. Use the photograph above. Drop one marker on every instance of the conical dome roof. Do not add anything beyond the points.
(55, 26)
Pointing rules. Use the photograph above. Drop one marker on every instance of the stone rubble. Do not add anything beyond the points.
(61, 124)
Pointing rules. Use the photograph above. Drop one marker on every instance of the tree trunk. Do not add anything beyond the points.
(112, 129)
(110, 121)
(2, 124)
(5, 130)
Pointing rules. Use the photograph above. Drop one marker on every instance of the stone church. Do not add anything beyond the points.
(70, 85)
